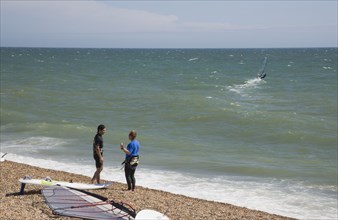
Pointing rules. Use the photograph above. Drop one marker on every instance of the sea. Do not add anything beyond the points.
(208, 127)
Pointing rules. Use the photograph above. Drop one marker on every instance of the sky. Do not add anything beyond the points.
(168, 24)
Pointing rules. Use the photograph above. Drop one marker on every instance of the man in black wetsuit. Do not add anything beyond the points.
(98, 152)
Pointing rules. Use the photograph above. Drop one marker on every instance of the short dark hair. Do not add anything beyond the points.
(100, 128)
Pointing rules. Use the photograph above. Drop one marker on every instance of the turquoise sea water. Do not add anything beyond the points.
(208, 127)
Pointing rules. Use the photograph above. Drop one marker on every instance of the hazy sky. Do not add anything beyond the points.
(169, 24)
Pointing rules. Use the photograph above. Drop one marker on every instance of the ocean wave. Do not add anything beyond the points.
(32, 144)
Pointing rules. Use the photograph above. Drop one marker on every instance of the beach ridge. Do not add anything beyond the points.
(31, 205)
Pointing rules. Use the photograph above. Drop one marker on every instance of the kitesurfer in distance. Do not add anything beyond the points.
(261, 74)
(98, 152)
(131, 159)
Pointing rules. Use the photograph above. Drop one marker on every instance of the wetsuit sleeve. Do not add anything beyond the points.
(98, 141)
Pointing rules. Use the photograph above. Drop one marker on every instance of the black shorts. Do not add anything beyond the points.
(97, 161)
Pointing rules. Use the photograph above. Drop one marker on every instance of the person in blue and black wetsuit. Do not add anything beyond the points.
(131, 160)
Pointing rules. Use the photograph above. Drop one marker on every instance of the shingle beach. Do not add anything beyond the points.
(31, 205)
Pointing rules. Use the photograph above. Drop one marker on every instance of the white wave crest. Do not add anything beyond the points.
(32, 144)
(249, 84)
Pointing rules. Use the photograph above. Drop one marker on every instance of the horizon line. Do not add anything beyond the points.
(170, 48)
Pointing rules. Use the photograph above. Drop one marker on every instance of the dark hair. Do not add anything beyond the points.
(100, 128)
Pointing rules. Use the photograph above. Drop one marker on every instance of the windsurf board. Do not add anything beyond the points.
(49, 182)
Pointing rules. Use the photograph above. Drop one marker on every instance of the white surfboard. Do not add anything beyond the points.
(148, 214)
(49, 182)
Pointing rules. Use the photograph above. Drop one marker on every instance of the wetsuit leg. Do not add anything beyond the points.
(127, 171)
(130, 176)
(133, 181)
